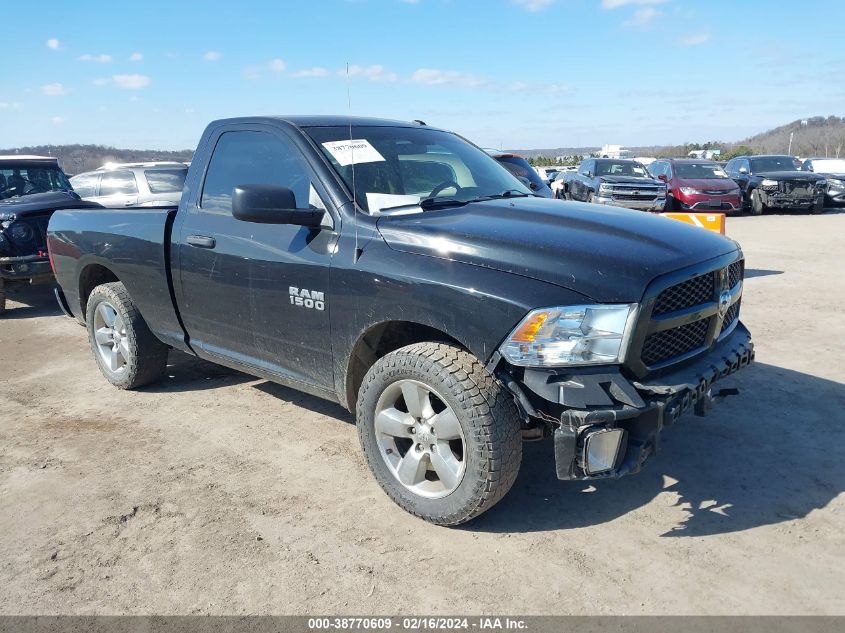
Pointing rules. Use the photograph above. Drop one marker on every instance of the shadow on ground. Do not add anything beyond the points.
(27, 302)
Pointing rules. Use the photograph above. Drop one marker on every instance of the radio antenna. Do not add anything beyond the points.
(357, 252)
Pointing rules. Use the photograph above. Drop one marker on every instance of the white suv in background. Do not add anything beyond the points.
(133, 184)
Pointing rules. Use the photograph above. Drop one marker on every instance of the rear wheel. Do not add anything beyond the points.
(127, 353)
(757, 205)
(440, 433)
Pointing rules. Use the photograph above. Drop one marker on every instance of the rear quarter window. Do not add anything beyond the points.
(165, 180)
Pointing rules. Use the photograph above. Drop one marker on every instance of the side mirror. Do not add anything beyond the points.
(662, 177)
(743, 170)
(271, 204)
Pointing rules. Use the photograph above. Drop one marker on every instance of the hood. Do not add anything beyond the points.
(41, 202)
(800, 176)
(710, 184)
(607, 253)
(825, 174)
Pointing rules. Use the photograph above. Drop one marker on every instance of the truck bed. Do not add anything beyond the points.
(85, 244)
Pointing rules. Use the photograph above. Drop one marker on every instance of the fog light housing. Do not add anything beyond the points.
(602, 449)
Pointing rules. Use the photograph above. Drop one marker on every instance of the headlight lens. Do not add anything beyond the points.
(689, 190)
(821, 183)
(768, 182)
(21, 232)
(835, 182)
(569, 335)
(605, 188)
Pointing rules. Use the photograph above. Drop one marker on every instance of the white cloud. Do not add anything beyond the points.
(53, 44)
(643, 18)
(136, 57)
(558, 89)
(277, 65)
(374, 72)
(125, 82)
(533, 5)
(696, 39)
(615, 4)
(100, 59)
(311, 72)
(57, 120)
(436, 77)
(53, 90)
(212, 56)
(518, 86)
(10, 105)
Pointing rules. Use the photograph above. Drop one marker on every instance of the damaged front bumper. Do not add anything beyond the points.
(30, 268)
(608, 425)
(780, 200)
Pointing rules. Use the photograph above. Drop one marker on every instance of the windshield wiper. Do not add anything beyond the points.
(439, 203)
(510, 193)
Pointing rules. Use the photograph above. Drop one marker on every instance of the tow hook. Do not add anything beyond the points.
(708, 400)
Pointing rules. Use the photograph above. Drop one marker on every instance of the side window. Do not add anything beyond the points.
(118, 182)
(85, 184)
(656, 168)
(255, 158)
(730, 167)
(667, 169)
(584, 169)
(745, 163)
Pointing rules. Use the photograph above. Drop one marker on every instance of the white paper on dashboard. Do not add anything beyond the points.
(354, 151)
(393, 204)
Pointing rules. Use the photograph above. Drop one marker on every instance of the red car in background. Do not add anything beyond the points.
(697, 185)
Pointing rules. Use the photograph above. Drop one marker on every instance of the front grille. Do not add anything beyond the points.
(736, 272)
(798, 187)
(630, 196)
(715, 192)
(731, 316)
(662, 346)
(689, 293)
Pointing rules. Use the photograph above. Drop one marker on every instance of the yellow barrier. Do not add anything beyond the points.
(710, 221)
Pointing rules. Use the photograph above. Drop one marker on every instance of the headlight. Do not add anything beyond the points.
(569, 335)
(6, 219)
(21, 232)
(768, 182)
(835, 182)
(605, 188)
(689, 190)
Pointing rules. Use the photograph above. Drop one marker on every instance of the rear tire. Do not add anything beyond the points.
(461, 422)
(757, 205)
(127, 353)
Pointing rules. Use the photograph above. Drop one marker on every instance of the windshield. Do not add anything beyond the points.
(702, 171)
(399, 167)
(25, 178)
(773, 163)
(620, 168)
(831, 166)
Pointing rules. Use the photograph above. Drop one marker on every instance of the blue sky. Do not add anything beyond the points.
(505, 73)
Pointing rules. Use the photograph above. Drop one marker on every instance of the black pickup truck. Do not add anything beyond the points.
(618, 182)
(400, 271)
(31, 188)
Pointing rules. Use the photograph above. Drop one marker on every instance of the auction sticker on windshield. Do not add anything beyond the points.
(353, 151)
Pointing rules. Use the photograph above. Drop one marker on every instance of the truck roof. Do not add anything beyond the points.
(327, 120)
(19, 157)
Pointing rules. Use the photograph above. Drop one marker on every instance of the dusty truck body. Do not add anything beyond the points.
(400, 271)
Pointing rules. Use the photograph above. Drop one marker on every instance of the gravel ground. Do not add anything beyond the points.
(216, 493)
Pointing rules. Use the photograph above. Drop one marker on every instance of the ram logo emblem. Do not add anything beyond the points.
(305, 298)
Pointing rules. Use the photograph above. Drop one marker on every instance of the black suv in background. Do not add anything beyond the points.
(31, 189)
(775, 181)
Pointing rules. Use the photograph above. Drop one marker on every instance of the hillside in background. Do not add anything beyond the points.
(815, 136)
(76, 159)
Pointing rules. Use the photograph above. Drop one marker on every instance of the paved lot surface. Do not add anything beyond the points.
(213, 492)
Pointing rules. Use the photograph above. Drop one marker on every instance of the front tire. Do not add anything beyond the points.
(818, 207)
(127, 353)
(757, 205)
(440, 434)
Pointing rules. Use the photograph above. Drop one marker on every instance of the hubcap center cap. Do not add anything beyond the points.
(425, 434)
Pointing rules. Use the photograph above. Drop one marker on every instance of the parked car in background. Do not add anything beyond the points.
(775, 182)
(696, 185)
(523, 170)
(133, 184)
(549, 173)
(31, 189)
(833, 170)
(618, 182)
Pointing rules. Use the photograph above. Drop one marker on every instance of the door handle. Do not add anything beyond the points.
(201, 241)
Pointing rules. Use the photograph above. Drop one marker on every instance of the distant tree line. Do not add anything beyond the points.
(76, 159)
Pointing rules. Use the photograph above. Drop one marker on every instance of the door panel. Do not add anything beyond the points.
(238, 278)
